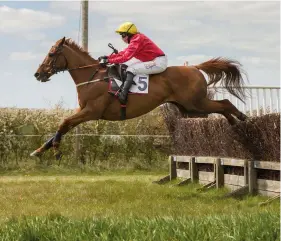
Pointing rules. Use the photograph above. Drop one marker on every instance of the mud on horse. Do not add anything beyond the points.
(184, 85)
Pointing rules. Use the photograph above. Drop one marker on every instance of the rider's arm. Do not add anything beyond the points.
(113, 55)
(128, 53)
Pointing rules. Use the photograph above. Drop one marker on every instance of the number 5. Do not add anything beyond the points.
(142, 82)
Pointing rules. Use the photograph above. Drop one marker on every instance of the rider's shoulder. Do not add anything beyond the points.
(138, 36)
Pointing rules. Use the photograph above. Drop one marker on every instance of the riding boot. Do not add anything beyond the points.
(127, 85)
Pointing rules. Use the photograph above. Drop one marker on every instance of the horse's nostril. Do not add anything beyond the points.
(36, 75)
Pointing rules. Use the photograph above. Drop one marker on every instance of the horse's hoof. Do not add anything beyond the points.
(58, 155)
(36, 153)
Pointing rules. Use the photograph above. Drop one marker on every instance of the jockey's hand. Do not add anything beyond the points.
(102, 57)
(103, 61)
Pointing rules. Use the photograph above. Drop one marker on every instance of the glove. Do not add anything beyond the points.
(102, 57)
(103, 60)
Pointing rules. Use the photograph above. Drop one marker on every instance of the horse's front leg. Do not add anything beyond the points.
(46, 146)
(69, 123)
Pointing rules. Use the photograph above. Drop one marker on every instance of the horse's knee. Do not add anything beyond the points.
(64, 126)
(226, 102)
(228, 106)
(242, 117)
(77, 109)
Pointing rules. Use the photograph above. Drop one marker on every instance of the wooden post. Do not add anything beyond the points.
(173, 168)
(219, 173)
(252, 177)
(85, 11)
(193, 170)
(246, 174)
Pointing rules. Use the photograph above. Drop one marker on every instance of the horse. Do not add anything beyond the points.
(184, 86)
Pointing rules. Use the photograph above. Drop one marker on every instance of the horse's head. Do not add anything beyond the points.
(54, 62)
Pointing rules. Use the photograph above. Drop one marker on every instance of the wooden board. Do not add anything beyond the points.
(267, 165)
(182, 158)
(234, 180)
(204, 182)
(210, 160)
(232, 187)
(206, 176)
(268, 185)
(183, 173)
(268, 193)
(233, 162)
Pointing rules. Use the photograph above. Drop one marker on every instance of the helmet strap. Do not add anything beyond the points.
(129, 37)
(129, 28)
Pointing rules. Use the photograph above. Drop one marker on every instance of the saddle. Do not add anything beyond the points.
(116, 72)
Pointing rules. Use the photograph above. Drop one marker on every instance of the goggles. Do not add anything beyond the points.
(123, 35)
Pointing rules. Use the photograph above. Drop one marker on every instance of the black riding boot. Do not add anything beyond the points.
(127, 85)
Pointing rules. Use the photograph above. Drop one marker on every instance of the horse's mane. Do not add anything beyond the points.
(70, 43)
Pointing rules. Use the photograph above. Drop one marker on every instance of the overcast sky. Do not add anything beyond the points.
(187, 31)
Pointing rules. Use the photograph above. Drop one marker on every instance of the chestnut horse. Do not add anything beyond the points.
(185, 86)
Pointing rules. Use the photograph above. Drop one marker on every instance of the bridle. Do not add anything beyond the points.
(54, 69)
(59, 51)
(56, 53)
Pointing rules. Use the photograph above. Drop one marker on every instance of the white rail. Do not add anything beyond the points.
(260, 99)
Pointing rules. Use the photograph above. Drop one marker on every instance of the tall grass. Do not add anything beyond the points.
(256, 139)
(102, 152)
(263, 227)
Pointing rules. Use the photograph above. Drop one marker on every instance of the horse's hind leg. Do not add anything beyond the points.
(224, 107)
(231, 109)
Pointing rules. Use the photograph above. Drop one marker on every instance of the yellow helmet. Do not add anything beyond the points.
(127, 27)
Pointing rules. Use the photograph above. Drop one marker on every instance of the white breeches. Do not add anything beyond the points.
(155, 66)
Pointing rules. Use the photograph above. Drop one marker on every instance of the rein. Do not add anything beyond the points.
(81, 67)
(92, 76)
(55, 70)
(88, 82)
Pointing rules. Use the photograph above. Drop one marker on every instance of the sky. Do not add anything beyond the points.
(192, 31)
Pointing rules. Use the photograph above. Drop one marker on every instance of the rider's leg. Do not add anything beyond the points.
(127, 85)
(155, 66)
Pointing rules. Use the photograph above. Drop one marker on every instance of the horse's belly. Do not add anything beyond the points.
(136, 106)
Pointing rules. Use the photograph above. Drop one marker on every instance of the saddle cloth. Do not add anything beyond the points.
(140, 85)
(117, 75)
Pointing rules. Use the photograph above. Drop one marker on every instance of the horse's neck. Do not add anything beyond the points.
(77, 60)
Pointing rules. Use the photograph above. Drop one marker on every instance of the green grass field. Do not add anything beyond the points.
(127, 207)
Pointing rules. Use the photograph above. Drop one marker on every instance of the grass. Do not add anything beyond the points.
(222, 228)
(31, 169)
(114, 166)
(127, 207)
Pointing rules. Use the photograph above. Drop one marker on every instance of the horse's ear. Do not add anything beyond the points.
(62, 41)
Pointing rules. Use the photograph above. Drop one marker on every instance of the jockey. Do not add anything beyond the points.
(151, 59)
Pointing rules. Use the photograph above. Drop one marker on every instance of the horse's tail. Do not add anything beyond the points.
(228, 71)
